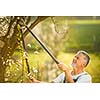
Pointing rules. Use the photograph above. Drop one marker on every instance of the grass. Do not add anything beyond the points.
(83, 34)
(84, 21)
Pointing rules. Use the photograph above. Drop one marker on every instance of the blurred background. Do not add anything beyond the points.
(63, 35)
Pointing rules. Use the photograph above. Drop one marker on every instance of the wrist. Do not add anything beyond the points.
(66, 71)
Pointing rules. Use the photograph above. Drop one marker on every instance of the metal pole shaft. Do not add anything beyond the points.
(26, 59)
(41, 43)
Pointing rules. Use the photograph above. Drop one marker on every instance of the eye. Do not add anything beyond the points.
(77, 57)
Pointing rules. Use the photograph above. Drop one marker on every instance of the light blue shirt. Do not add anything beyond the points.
(83, 77)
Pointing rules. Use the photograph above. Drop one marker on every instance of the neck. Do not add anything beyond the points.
(77, 71)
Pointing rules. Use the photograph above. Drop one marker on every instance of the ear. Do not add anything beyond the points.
(84, 64)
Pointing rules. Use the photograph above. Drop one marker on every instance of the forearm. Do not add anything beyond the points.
(68, 77)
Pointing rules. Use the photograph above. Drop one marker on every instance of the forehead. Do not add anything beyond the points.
(81, 55)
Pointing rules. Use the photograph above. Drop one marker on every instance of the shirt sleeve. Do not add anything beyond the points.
(84, 79)
(59, 79)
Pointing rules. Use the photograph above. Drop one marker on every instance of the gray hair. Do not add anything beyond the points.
(87, 59)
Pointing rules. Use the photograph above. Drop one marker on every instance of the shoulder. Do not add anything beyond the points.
(60, 78)
(85, 78)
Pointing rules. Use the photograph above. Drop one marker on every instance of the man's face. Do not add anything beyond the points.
(78, 60)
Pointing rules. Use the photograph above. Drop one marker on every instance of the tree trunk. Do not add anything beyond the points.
(10, 44)
(7, 51)
(2, 71)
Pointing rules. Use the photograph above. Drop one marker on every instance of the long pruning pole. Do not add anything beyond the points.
(22, 23)
(42, 44)
(26, 58)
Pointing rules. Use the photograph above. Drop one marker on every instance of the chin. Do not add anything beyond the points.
(72, 65)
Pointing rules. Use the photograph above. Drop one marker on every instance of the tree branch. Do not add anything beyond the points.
(10, 25)
(38, 20)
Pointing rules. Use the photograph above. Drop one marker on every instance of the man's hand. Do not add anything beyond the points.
(34, 80)
(63, 67)
(30, 76)
(68, 75)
